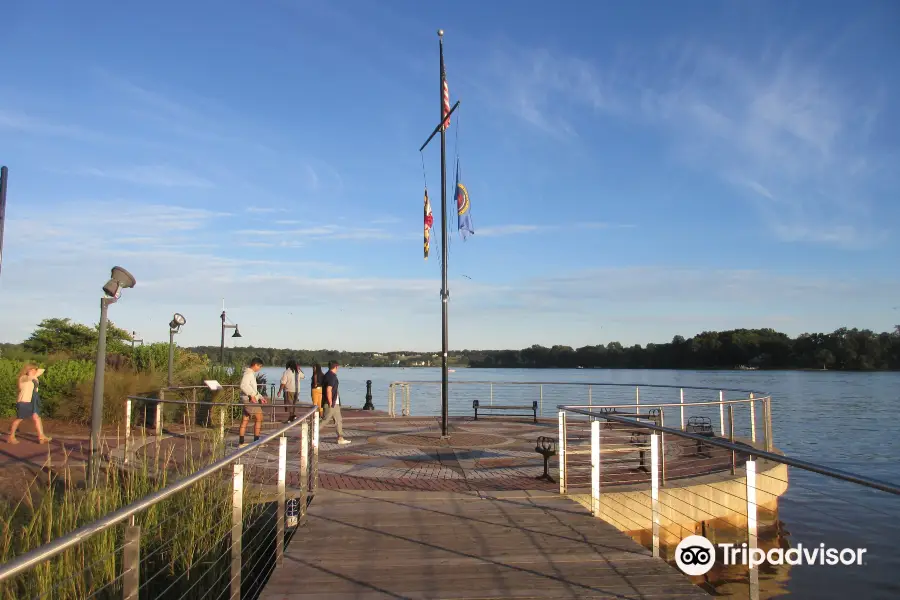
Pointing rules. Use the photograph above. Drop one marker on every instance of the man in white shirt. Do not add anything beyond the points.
(250, 395)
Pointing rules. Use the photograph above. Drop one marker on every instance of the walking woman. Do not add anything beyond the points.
(290, 385)
(28, 405)
(316, 384)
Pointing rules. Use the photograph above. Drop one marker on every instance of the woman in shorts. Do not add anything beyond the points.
(28, 405)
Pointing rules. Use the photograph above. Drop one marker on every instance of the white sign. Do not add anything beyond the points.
(213, 384)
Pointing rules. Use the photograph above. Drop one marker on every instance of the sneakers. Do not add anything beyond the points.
(343, 441)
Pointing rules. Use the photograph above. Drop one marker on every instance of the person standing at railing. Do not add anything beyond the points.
(250, 395)
(316, 385)
(29, 403)
(290, 386)
(332, 400)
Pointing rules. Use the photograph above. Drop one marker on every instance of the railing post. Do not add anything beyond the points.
(194, 408)
(751, 527)
(752, 419)
(595, 468)
(682, 409)
(562, 452)
(222, 424)
(662, 447)
(654, 490)
(237, 530)
(127, 458)
(406, 400)
(637, 400)
(492, 394)
(590, 395)
(131, 562)
(304, 468)
(159, 423)
(722, 413)
(314, 479)
(542, 399)
(769, 440)
(731, 437)
(391, 400)
(279, 520)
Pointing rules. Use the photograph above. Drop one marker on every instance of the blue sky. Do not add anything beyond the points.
(636, 170)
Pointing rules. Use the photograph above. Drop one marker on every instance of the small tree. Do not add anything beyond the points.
(62, 336)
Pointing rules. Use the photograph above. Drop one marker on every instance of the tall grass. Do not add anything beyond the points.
(180, 536)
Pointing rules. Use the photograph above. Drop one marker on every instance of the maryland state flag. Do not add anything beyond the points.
(429, 223)
(463, 214)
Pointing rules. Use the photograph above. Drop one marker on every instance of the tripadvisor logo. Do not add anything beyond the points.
(695, 555)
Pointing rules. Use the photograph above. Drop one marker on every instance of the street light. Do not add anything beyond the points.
(134, 339)
(119, 280)
(237, 334)
(174, 327)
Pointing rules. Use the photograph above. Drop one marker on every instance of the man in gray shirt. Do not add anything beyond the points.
(250, 395)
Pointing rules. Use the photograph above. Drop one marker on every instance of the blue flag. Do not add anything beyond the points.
(463, 213)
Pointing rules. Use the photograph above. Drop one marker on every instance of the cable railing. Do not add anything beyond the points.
(216, 533)
(709, 503)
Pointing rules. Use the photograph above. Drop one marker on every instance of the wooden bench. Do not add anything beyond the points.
(502, 407)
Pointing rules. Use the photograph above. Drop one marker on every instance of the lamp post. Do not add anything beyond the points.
(134, 339)
(119, 279)
(237, 334)
(4, 176)
(174, 327)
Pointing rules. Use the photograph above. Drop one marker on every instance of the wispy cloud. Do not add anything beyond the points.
(781, 127)
(30, 124)
(152, 175)
(513, 229)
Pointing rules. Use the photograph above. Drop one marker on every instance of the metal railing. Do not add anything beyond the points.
(720, 487)
(216, 533)
(753, 415)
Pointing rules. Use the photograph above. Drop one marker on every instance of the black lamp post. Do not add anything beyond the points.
(119, 279)
(237, 334)
(174, 327)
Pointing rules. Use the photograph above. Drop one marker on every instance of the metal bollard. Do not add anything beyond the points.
(279, 520)
(595, 468)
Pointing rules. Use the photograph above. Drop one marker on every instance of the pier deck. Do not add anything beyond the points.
(370, 544)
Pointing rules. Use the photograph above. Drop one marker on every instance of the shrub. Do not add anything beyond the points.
(117, 385)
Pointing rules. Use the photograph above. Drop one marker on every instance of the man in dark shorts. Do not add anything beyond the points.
(250, 395)
(331, 401)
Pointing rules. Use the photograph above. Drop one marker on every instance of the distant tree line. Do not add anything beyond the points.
(844, 349)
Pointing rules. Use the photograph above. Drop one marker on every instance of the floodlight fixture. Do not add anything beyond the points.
(177, 321)
(237, 332)
(119, 279)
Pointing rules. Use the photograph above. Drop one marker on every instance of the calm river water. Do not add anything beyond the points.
(848, 421)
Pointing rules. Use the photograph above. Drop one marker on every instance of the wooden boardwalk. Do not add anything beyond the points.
(517, 544)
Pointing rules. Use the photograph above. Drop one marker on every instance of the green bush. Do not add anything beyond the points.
(57, 383)
(155, 358)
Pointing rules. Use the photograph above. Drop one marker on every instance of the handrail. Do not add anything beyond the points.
(586, 383)
(672, 404)
(793, 462)
(59, 545)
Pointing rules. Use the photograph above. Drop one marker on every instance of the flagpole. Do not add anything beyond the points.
(445, 293)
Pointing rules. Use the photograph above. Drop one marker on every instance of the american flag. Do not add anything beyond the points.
(446, 103)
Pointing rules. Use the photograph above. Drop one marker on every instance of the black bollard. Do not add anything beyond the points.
(369, 405)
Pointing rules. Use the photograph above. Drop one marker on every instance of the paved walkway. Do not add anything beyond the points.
(412, 545)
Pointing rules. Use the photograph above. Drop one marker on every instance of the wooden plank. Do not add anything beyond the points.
(522, 544)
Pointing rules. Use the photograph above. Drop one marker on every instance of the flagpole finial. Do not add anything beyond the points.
(440, 33)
